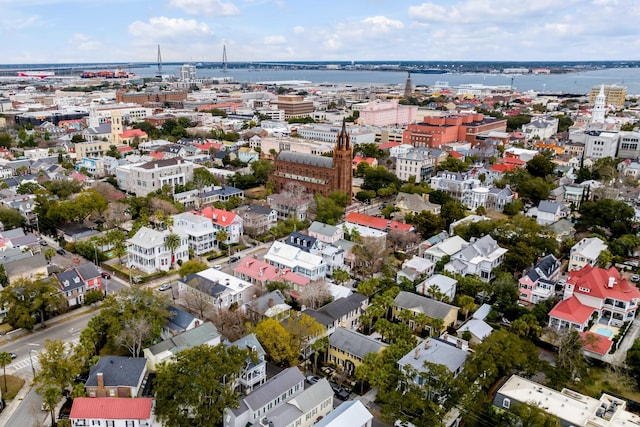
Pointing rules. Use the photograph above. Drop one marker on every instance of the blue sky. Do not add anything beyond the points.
(61, 31)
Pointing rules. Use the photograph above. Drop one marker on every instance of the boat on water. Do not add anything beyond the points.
(106, 74)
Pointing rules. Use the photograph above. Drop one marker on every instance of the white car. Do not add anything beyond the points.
(400, 423)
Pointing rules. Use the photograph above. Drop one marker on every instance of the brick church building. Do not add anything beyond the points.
(317, 174)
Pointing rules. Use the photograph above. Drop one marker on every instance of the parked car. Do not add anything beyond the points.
(340, 392)
(105, 275)
(81, 378)
(312, 379)
(165, 287)
(13, 355)
(43, 242)
(400, 423)
(635, 278)
(217, 267)
(234, 259)
(61, 251)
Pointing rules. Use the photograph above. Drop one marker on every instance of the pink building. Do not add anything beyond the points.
(539, 283)
(387, 113)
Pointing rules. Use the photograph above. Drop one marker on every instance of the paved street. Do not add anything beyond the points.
(26, 412)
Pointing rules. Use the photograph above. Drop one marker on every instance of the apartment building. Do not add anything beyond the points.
(144, 178)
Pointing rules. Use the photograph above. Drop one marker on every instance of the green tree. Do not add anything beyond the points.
(262, 169)
(198, 384)
(49, 253)
(172, 242)
(57, 371)
(303, 330)
(318, 346)
(452, 211)
(467, 303)
(427, 224)
(540, 166)
(340, 276)
(5, 359)
(191, 267)
(28, 301)
(221, 236)
(11, 218)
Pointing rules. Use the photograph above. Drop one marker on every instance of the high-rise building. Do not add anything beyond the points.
(187, 73)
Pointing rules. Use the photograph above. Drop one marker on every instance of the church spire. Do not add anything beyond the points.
(599, 107)
(343, 138)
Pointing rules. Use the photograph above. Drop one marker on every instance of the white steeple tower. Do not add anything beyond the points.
(94, 120)
(599, 107)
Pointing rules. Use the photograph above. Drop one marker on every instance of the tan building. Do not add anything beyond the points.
(294, 106)
(418, 305)
(348, 348)
(614, 95)
(92, 149)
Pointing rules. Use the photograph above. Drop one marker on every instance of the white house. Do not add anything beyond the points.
(218, 288)
(284, 256)
(113, 412)
(147, 251)
(586, 251)
(540, 128)
(447, 247)
(445, 285)
(549, 212)
(480, 257)
(201, 234)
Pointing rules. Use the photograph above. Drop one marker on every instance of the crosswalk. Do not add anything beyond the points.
(34, 358)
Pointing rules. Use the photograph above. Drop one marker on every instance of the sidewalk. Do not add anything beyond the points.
(17, 401)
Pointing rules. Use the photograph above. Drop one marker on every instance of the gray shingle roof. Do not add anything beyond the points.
(275, 386)
(338, 308)
(430, 307)
(118, 371)
(187, 339)
(306, 159)
(354, 342)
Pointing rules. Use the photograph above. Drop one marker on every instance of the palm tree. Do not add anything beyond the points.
(318, 346)
(5, 359)
(222, 236)
(467, 303)
(172, 242)
(49, 253)
(436, 325)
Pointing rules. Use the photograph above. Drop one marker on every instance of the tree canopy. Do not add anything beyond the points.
(198, 384)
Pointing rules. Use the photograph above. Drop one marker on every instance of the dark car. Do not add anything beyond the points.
(61, 251)
(105, 275)
(65, 410)
(340, 392)
(43, 243)
(234, 259)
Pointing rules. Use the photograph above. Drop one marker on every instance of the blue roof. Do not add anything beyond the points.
(301, 241)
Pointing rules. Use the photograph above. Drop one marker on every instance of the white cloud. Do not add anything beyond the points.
(83, 42)
(274, 40)
(167, 28)
(206, 7)
(298, 30)
(20, 23)
(383, 24)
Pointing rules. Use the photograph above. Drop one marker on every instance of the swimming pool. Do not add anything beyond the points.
(605, 332)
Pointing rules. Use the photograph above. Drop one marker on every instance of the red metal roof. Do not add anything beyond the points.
(572, 310)
(218, 216)
(259, 270)
(456, 155)
(132, 133)
(600, 283)
(503, 167)
(376, 222)
(596, 343)
(111, 408)
(388, 145)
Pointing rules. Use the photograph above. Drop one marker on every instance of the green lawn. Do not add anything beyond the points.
(14, 384)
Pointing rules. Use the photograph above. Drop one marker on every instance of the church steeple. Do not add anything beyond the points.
(599, 107)
(342, 159)
(408, 86)
(343, 141)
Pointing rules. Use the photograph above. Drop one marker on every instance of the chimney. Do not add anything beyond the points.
(416, 354)
(270, 302)
(427, 343)
(612, 281)
(261, 271)
(100, 378)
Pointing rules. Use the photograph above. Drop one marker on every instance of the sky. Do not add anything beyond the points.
(80, 31)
